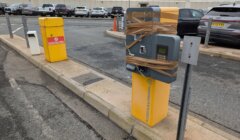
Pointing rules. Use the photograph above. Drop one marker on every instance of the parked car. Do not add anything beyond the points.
(109, 11)
(30, 10)
(47, 9)
(82, 11)
(117, 11)
(15, 9)
(63, 10)
(225, 26)
(153, 6)
(99, 12)
(2, 7)
(188, 22)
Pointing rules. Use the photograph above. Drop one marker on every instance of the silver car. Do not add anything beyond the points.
(225, 26)
(99, 12)
(81, 11)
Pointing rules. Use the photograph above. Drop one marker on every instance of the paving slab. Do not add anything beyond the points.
(113, 99)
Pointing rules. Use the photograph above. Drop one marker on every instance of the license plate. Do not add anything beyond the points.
(218, 24)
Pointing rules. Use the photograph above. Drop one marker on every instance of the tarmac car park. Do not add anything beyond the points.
(225, 28)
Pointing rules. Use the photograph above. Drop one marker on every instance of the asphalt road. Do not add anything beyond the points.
(31, 107)
(215, 81)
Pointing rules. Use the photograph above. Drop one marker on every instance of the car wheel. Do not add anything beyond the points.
(53, 14)
(18, 12)
(68, 15)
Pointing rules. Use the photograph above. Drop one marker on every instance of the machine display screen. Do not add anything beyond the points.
(162, 52)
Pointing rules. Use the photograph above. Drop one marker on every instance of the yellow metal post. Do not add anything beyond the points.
(149, 99)
(53, 38)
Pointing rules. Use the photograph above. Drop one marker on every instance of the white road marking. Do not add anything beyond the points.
(17, 29)
(13, 83)
(33, 112)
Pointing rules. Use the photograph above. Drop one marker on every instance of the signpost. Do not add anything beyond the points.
(9, 25)
(190, 57)
(210, 20)
(25, 28)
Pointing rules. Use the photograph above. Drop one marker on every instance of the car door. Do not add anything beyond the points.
(188, 22)
(196, 17)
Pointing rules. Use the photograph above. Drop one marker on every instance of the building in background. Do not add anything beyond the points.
(203, 4)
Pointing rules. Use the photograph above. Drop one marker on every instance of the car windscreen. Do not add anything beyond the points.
(47, 5)
(117, 8)
(60, 6)
(225, 11)
(97, 8)
(80, 7)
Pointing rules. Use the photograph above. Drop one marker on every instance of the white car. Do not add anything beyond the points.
(81, 11)
(99, 12)
(47, 9)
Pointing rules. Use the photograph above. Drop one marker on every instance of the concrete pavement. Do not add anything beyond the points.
(113, 99)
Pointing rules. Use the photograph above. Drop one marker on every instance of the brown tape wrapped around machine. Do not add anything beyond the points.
(136, 25)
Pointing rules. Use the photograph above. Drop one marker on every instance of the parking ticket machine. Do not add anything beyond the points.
(155, 47)
(152, 57)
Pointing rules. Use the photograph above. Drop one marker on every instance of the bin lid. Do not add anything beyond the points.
(50, 21)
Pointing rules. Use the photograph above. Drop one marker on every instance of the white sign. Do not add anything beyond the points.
(190, 50)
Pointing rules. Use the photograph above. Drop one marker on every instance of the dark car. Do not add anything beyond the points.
(2, 7)
(226, 24)
(30, 10)
(109, 10)
(188, 22)
(117, 11)
(63, 10)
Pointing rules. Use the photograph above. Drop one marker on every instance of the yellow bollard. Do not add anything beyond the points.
(53, 39)
(149, 99)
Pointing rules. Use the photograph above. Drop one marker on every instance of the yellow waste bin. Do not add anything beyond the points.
(53, 39)
(149, 99)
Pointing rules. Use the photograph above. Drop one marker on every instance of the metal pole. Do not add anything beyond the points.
(208, 32)
(118, 29)
(25, 28)
(128, 3)
(184, 103)
(9, 25)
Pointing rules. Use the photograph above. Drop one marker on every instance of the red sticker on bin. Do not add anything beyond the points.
(56, 40)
